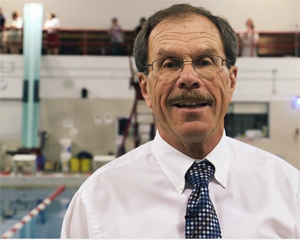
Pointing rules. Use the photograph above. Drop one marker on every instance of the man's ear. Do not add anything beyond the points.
(144, 84)
(232, 80)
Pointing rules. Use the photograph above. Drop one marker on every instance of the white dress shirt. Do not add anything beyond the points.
(249, 44)
(17, 23)
(51, 25)
(143, 194)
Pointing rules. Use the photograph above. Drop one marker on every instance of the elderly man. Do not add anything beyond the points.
(191, 181)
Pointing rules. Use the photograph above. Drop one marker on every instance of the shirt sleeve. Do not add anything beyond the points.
(46, 24)
(80, 220)
(57, 23)
(19, 23)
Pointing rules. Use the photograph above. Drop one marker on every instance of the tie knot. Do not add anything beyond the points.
(199, 174)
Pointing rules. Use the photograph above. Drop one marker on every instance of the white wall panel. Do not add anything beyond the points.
(11, 119)
(271, 80)
(254, 90)
(13, 88)
(67, 88)
(258, 79)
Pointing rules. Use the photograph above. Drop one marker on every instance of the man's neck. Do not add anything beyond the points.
(195, 147)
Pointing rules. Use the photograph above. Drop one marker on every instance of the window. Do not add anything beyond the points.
(250, 120)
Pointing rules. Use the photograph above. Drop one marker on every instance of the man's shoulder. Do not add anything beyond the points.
(125, 163)
(254, 155)
(247, 148)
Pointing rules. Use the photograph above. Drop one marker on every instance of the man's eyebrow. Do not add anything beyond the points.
(208, 51)
(164, 52)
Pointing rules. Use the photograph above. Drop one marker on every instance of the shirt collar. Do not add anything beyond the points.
(220, 158)
(175, 164)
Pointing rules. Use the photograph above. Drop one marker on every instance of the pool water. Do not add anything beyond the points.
(16, 203)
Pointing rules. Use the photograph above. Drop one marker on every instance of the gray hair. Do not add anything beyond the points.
(181, 11)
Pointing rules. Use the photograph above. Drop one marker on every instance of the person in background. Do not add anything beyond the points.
(2, 30)
(116, 37)
(14, 38)
(191, 181)
(140, 26)
(52, 26)
(250, 39)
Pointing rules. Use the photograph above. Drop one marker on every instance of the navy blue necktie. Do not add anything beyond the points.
(201, 218)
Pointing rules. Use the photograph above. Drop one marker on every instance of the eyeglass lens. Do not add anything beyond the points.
(205, 66)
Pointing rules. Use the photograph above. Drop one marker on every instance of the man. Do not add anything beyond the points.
(140, 26)
(2, 29)
(250, 40)
(191, 181)
(52, 26)
(116, 37)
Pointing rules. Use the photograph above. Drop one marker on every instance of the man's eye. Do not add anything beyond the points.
(203, 62)
(171, 63)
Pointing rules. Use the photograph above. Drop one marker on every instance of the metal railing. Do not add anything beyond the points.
(97, 42)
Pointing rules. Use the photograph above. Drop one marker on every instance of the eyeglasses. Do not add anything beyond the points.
(205, 66)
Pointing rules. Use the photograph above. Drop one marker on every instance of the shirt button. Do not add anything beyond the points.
(180, 187)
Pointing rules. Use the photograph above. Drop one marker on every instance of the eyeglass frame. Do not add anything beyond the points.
(228, 61)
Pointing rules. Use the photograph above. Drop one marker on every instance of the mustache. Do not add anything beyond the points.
(190, 96)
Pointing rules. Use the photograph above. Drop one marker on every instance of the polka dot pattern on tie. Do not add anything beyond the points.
(201, 217)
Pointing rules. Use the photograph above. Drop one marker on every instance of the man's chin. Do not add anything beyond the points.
(193, 133)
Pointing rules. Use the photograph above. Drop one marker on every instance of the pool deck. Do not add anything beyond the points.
(42, 179)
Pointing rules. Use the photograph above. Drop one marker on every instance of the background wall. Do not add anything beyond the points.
(92, 123)
(268, 15)
(275, 81)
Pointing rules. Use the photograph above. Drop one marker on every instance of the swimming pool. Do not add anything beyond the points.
(16, 203)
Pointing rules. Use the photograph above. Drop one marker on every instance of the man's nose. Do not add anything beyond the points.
(188, 77)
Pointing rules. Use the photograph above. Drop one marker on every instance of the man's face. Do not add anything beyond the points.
(198, 116)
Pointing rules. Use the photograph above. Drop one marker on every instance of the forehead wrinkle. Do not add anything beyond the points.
(204, 47)
(181, 35)
(163, 46)
(194, 39)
